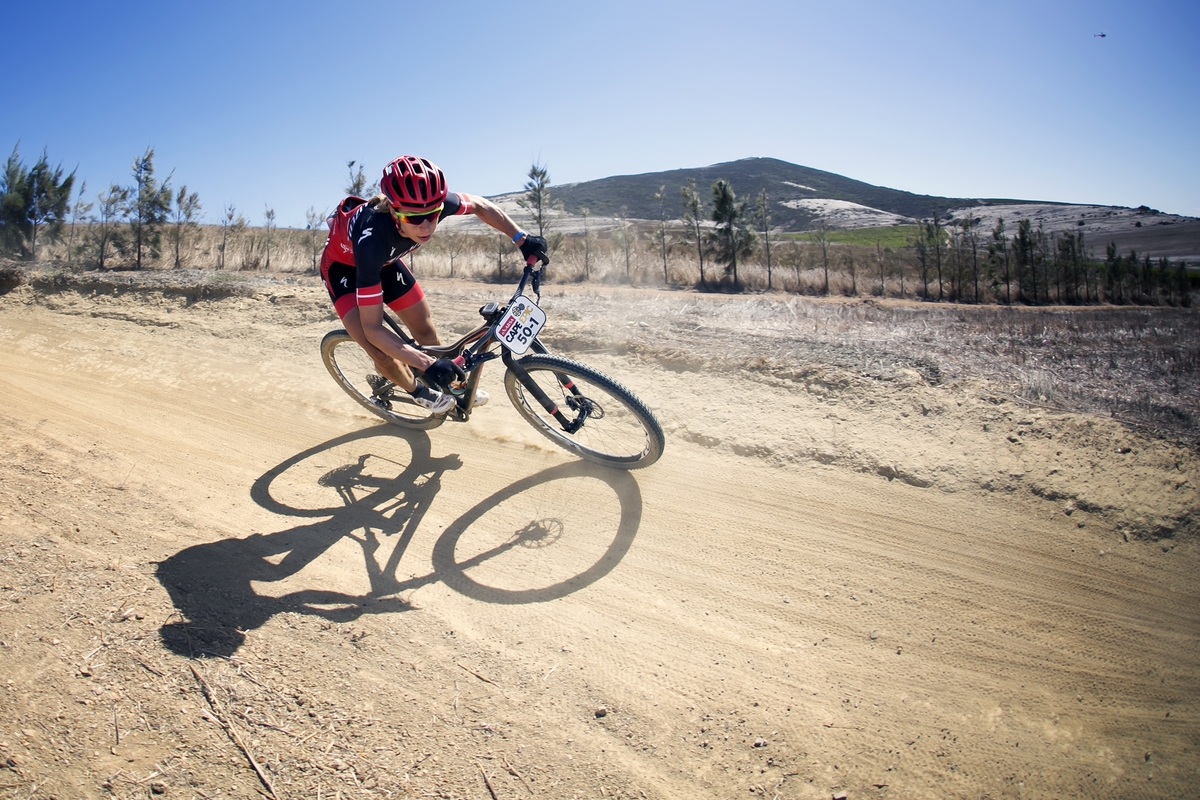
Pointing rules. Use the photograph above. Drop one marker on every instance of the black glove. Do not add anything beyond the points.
(441, 373)
(534, 247)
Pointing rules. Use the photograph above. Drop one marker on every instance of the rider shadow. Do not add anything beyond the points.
(212, 585)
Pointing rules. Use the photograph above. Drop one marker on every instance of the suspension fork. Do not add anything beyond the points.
(566, 382)
(568, 425)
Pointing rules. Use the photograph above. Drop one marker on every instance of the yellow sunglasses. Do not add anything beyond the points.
(418, 219)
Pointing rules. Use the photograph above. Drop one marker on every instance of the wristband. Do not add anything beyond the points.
(518, 235)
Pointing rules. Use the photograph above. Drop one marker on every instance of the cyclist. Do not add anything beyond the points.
(362, 269)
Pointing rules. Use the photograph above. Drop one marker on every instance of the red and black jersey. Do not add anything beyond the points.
(367, 238)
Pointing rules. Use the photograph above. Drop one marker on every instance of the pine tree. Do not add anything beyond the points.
(732, 238)
(183, 222)
(694, 213)
(762, 217)
(33, 204)
(149, 204)
(537, 197)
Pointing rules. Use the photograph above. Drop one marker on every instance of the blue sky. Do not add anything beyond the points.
(261, 104)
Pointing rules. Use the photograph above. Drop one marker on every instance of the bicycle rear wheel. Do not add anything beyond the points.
(617, 429)
(354, 371)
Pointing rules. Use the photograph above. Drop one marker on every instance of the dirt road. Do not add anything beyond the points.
(220, 577)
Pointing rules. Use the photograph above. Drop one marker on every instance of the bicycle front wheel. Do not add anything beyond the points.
(355, 372)
(614, 428)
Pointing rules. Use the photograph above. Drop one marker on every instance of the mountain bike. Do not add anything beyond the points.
(573, 405)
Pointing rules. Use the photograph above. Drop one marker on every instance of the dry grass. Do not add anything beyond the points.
(1140, 364)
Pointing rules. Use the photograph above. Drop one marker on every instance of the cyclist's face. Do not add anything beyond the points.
(418, 233)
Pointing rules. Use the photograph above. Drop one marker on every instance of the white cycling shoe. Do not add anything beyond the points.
(440, 402)
(433, 400)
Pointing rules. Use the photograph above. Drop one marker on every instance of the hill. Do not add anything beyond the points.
(799, 195)
(802, 197)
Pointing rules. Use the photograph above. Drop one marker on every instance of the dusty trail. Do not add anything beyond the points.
(465, 612)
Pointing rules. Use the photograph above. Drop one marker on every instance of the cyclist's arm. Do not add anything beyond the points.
(493, 215)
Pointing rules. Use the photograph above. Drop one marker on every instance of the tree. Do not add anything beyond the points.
(1112, 271)
(537, 197)
(1183, 285)
(12, 203)
(1149, 289)
(315, 221)
(1067, 259)
(762, 217)
(1079, 266)
(920, 246)
(49, 195)
(625, 235)
(538, 203)
(850, 264)
(1040, 266)
(269, 224)
(660, 234)
(880, 262)
(589, 237)
(79, 210)
(149, 204)
(933, 233)
(799, 254)
(733, 237)
(1023, 259)
(694, 213)
(33, 203)
(970, 234)
(997, 259)
(455, 244)
(111, 207)
(356, 183)
(183, 222)
(231, 225)
(820, 237)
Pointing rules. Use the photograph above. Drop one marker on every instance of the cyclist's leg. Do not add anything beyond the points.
(404, 295)
(340, 282)
(395, 371)
(418, 318)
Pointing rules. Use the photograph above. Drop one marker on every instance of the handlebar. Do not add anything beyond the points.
(532, 277)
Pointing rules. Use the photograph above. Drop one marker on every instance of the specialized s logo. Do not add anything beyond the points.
(366, 232)
(345, 283)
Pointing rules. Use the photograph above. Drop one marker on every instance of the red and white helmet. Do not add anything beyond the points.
(413, 185)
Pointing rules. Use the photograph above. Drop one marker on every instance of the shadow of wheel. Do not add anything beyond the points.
(522, 524)
(293, 487)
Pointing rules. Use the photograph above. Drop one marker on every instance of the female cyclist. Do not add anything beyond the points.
(362, 269)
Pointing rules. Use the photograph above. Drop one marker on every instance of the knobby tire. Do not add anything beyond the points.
(622, 433)
(350, 365)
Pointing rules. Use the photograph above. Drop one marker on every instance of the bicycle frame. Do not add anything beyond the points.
(472, 351)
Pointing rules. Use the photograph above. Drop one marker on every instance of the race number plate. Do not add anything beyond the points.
(520, 324)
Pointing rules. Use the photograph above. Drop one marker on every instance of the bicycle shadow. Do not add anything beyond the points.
(381, 501)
